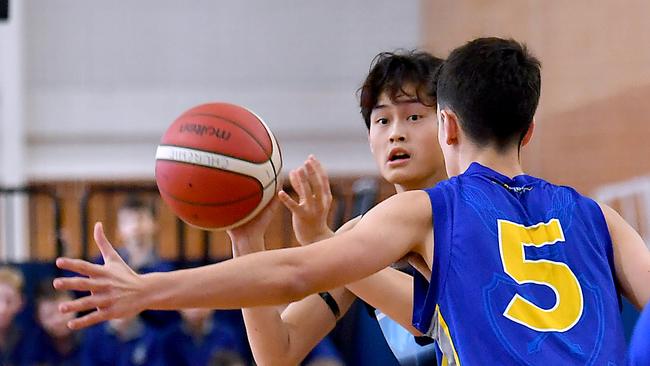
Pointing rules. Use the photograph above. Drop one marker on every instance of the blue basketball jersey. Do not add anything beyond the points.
(522, 274)
(640, 343)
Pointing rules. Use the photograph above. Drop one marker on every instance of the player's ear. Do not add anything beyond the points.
(529, 134)
(450, 127)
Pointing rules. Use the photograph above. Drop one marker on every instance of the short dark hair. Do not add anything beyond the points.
(135, 203)
(45, 291)
(391, 72)
(493, 86)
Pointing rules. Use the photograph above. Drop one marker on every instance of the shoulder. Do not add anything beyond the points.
(404, 213)
(614, 221)
(609, 212)
(407, 205)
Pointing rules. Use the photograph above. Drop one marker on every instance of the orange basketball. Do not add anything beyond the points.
(217, 166)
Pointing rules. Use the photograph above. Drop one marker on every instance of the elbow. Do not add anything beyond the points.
(292, 278)
(298, 283)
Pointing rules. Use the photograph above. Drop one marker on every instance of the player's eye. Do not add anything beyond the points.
(382, 121)
(413, 117)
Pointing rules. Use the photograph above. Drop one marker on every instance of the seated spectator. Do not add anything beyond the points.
(53, 344)
(201, 340)
(13, 336)
(137, 230)
(121, 342)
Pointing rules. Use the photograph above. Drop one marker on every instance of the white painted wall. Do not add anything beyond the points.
(13, 208)
(105, 78)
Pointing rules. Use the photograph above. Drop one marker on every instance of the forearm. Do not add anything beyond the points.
(241, 282)
(309, 320)
(286, 338)
(390, 291)
(268, 335)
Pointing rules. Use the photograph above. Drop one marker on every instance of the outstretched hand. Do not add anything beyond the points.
(115, 289)
(309, 214)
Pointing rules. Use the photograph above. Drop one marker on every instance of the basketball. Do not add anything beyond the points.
(217, 166)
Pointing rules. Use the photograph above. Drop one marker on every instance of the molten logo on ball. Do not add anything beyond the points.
(205, 130)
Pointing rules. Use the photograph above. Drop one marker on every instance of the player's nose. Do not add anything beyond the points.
(397, 133)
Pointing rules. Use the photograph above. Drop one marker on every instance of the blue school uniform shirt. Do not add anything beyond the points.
(522, 274)
(102, 346)
(42, 351)
(639, 354)
(324, 350)
(16, 348)
(181, 348)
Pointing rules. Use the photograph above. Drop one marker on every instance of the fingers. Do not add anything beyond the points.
(319, 180)
(80, 266)
(325, 180)
(300, 183)
(288, 202)
(85, 303)
(103, 244)
(311, 183)
(313, 180)
(79, 284)
(88, 320)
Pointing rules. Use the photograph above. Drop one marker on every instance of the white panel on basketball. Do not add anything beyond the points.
(266, 173)
(263, 172)
(276, 154)
(269, 189)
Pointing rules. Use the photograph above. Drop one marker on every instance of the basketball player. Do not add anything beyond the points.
(398, 108)
(523, 272)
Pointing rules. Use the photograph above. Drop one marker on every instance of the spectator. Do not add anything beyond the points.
(137, 229)
(324, 354)
(121, 342)
(201, 340)
(12, 336)
(53, 344)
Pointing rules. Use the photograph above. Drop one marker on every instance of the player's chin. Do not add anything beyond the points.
(400, 175)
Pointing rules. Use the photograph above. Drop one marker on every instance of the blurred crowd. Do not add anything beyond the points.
(33, 331)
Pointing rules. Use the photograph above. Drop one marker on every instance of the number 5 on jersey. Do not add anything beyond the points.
(513, 238)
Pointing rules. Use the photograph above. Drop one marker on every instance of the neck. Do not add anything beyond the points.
(507, 162)
(426, 182)
(64, 344)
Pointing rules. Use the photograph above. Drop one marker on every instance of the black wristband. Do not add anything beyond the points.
(331, 302)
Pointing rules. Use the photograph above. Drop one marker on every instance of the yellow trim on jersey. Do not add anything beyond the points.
(445, 329)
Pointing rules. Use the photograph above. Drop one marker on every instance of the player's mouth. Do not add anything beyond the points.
(397, 157)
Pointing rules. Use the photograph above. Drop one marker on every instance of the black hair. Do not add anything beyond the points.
(391, 72)
(493, 86)
(45, 291)
(135, 203)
